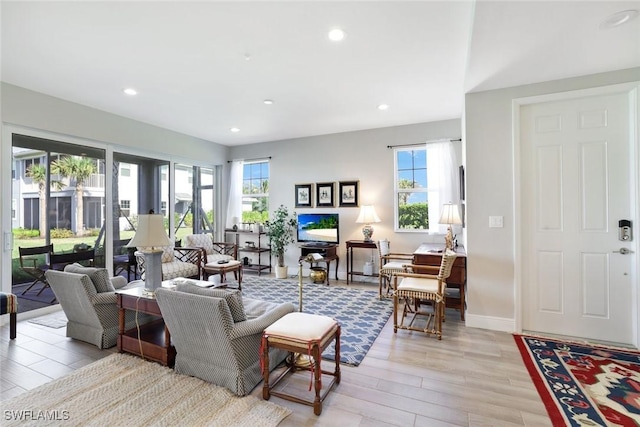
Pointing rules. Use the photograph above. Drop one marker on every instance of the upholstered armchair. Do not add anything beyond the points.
(217, 334)
(88, 299)
(211, 251)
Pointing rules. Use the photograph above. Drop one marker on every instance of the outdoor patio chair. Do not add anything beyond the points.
(34, 261)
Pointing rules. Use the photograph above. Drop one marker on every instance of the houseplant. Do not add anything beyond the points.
(280, 230)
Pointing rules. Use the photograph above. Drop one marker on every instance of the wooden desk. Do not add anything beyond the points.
(328, 253)
(427, 254)
(357, 244)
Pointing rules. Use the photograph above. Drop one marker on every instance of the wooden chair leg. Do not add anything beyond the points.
(395, 312)
(13, 319)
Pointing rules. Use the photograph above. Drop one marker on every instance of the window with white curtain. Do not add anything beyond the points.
(425, 178)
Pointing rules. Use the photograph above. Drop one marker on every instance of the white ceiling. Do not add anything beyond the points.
(202, 68)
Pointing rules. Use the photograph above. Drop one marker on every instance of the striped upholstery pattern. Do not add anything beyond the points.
(9, 305)
(219, 350)
(233, 297)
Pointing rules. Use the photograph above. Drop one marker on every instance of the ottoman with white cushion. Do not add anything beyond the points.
(307, 334)
(222, 269)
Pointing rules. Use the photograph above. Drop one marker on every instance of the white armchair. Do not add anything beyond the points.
(88, 299)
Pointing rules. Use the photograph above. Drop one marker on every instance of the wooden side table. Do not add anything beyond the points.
(362, 244)
(152, 341)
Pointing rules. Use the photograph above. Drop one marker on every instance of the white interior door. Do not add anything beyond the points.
(577, 183)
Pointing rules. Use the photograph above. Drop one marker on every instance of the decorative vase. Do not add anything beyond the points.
(318, 274)
(281, 272)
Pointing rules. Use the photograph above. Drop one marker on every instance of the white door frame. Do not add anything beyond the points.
(633, 90)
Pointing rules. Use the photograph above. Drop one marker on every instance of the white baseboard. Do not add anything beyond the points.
(488, 322)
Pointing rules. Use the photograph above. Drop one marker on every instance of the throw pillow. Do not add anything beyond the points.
(99, 276)
(233, 297)
(200, 241)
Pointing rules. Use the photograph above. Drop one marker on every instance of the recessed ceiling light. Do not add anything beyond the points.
(268, 101)
(383, 107)
(336, 34)
(234, 130)
(618, 19)
(130, 91)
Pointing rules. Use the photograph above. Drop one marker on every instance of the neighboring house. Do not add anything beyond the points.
(25, 202)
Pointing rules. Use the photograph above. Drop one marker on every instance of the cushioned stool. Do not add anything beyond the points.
(9, 305)
(306, 334)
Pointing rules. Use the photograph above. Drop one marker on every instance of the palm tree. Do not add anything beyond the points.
(38, 173)
(78, 169)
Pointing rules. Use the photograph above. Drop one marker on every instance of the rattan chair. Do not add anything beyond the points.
(416, 289)
(389, 263)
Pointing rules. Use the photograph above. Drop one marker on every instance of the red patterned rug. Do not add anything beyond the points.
(584, 385)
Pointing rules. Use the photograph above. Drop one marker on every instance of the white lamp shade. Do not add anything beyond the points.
(367, 215)
(150, 232)
(450, 214)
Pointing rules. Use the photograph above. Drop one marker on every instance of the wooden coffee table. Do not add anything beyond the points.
(153, 340)
(222, 269)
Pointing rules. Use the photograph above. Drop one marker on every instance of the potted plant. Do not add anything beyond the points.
(280, 230)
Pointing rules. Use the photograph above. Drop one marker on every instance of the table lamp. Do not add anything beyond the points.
(450, 215)
(367, 217)
(149, 237)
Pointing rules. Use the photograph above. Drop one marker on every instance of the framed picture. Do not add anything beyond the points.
(348, 194)
(304, 196)
(324, 194)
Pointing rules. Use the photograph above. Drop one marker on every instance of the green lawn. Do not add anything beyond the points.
(61, 246)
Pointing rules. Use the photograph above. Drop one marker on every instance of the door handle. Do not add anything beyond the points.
(623, 251)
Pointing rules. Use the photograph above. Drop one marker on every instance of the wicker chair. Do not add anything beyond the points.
(389, 263)
(419, 288)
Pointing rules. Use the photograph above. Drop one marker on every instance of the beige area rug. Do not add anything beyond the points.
(124, 390)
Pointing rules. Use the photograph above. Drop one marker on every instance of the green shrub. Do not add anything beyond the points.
(414, 216)
(25, 233)
(254, 216)
(61, 233)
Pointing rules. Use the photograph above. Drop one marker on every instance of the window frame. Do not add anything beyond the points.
(397, 191)
(261, 178)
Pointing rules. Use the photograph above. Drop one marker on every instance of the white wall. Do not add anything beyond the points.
(45, 116)
(35, 110)
(361, 155)
(490, 191)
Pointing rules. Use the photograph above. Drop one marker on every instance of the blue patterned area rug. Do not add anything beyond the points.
(361, 314)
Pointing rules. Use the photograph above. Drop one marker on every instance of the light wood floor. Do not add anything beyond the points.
(473, 377)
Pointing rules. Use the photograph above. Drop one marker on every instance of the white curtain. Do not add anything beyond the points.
(234, 207)
(442, 180)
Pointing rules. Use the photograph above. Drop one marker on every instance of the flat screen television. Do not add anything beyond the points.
(318, 228)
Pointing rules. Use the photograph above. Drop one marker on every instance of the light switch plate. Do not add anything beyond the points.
(496, 221)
